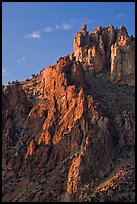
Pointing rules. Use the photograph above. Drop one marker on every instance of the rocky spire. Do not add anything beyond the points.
(84, 27)
(96, 51)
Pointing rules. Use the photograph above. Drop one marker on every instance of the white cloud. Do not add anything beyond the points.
(81, 21)
(120, 15)
(23, 59)
(48, 29)
(35, 35)
(66, 26)
(5, 72)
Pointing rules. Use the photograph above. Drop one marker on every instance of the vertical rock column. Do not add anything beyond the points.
(123, 58)
(81, 42)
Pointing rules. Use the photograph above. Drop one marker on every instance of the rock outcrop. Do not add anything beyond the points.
(64, 134)
(123, 61)
(107, 49)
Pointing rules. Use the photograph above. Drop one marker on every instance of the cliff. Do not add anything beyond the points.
(65, 137)
(107, 49)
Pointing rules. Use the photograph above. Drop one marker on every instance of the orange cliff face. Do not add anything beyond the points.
(61, 131)
(59, 121)
(64, 95)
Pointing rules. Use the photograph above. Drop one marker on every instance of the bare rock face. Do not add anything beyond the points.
(107, 49)
(64, 136)
(81, 42)
(15, 108)
(122, 32)
(96, 59)
(123, 61)
(60, 127)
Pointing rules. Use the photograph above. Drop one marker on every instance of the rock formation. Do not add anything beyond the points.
(107, 49)
(65, 137)
(123, 60)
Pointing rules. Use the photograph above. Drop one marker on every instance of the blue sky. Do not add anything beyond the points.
(36, 34)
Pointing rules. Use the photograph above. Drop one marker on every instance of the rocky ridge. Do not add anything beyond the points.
(65, 136)
(107, 49)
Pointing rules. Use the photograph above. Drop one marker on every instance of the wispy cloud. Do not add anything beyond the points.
(35, 35)
(23, 59)
(48, 29)
(62, 26)
(5, 72)
(82, 20)
(120, 15)
(66, 26)
(86, 20)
